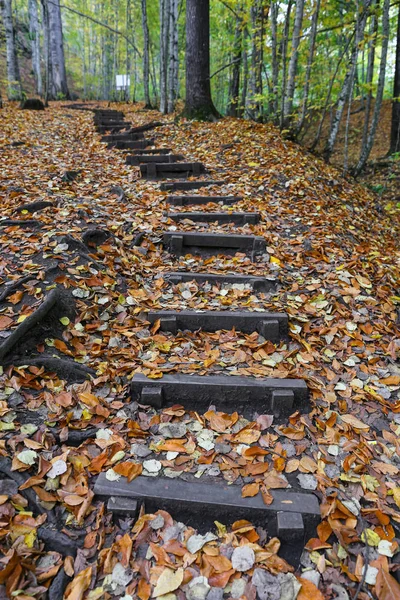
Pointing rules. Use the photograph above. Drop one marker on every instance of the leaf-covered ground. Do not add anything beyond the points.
(335, 257)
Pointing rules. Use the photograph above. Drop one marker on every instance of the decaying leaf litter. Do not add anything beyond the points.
(335, 258)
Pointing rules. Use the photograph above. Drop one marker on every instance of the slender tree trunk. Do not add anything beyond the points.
(14, 90)
(59, 86)
(199, 104)
(173, 66)
(164, 45)
(348, 82)
(35, 43)
(313, 37)
(46, 39)
(395, 129)
(292, 69)
(370, 71)
(273, 104)
(255, 107)
(283, 53)
(234, 83)
(146, 56)
(245, 76)
(366, 150)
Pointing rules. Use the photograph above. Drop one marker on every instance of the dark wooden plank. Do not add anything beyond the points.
(259, 284)
(211, 244)
(272, 326)
(153, 158)
(199, 200)
(238, 218)
(229, 393)
(122, 137)
(140, 144)
(292, 516)
(165, 170)
(188, 185)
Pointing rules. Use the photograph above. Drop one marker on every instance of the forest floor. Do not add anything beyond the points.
(334, 251)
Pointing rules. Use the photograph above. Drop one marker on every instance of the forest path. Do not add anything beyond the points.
(333, 258)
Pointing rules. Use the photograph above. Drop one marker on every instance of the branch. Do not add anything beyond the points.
(117, 31)
(233, 62)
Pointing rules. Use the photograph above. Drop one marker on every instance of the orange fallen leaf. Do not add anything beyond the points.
(249, 490)
(308, 591)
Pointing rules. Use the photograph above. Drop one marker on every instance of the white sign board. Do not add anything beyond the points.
(123, 82)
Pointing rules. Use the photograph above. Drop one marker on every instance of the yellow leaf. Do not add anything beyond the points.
(275, 260)
(169, 581)
(30, 538)
(21, 318)
(369, 537)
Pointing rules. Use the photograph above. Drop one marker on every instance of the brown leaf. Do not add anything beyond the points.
(78, 586)
(387, 588)
(250, 490)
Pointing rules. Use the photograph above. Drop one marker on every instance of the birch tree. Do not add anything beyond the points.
(34, 34)
(164, 47)
(313, 37)
(366, 149)
(292, 69)
(173, 64)
(14, 89)
(395, 126)
(348, 80)
(58, 87)
(146, 55)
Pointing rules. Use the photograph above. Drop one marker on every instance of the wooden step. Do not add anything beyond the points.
(152, 158)
(161, 170)
(238, 218)
(188, 185)
(159, 151)
(245, 395)
(122, 137)
(272, 326)
(189, 200)
(128, 145)
(212, 244)
(259, 284)
(147, 126)
(105, 128)
(292, 516)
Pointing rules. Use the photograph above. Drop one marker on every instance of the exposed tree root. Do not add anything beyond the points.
(34, 206)
(15, 285)
(58, 585)
(65, 369)
(20, 223)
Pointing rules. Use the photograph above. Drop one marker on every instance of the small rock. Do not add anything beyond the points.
(198, 592)
(243, 558)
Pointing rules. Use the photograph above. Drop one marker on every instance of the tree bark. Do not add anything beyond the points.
(366, 150)
(14, 90)
(273, 103)
(370, 71)
(395, 129)
(234, 83)
(146, 56)
(283, 53)
(292, 69)
(35, 43)
(199, 104)
(58, 86)
(347, 83)
(173, 65)
(255, 107)
(164, 46)
(313, 37)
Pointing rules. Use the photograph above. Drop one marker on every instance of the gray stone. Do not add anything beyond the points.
(199, 591)
(140, 450)
(172, 430)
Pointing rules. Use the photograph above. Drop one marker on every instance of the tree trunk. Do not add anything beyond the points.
(35, 42)
(283, 53)
(347, 83)
(164, 47)
(245, 76)
(146, 56)
(14, 90)
(370, 71)
(395, 130)
(255, 106)
(173, 66)
(234, 83)
(273, 103)
(199, 104)
(313, 37)
(292, 69)
(59, 86)
(366, 150)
